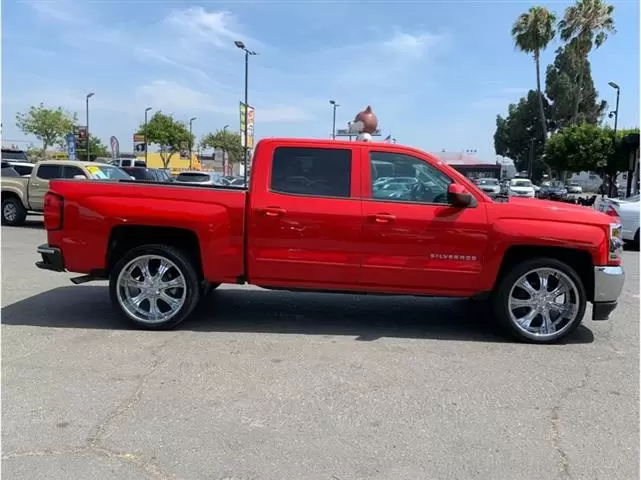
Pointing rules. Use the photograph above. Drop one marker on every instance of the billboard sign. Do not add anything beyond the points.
(343, 132)
(139, 144)
(249, 141)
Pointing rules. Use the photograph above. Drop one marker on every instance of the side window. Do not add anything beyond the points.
(48, 172)
(403, 178)
(69, 171)
(23, 169)
(317, 172)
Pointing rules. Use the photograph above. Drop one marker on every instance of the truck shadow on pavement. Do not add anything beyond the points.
(244, 310)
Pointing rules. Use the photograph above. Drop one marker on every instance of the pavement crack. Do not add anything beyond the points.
(555, 420)
(145, 464)
(100, 429)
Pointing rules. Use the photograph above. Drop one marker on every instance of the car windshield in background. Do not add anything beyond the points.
(193, 177)
(489, 181)
(521, 183)
(107, 172)
(557, 184)
(18, 155)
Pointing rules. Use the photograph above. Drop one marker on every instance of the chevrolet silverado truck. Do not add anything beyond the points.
(334, 216)
(24, 195)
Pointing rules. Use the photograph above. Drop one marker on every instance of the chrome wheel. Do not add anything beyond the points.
(544, 302)
(10, 212)
(151, 289)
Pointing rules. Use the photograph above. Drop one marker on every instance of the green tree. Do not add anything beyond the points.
(562, 84)
(228, 142)
(96, 149)
(585, 25)
(532, 32)
(171, 135)
(49, 125)
(580, 147)
(521, 131)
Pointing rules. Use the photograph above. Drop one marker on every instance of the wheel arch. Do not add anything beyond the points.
(125, 237)
(579, 260)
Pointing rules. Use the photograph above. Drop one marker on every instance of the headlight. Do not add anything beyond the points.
(616, 242)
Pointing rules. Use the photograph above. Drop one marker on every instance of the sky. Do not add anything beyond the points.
(436, 73)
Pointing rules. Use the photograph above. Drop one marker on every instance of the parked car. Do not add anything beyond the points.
(200, 178)
(573, 187)
(13, 155)
(490, 185)
(310, 221)
(24, 169)
(555, 190)
(627, 211)
(128, 162)
(521, 187)
(149, 174)
(27, 194)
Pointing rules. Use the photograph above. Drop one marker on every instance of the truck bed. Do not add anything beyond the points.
(96, 213)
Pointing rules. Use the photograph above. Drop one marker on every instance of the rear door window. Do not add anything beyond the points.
(49, 172)
(316, 172)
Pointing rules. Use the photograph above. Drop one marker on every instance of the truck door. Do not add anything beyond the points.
(39, 184)
(413, 240)
(304, 226)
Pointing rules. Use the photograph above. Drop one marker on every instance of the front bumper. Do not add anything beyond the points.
(608, 284)
(51, 258)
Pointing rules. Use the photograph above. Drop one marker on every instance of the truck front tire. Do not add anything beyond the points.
(155, 286)
(540, 300)
(13, 212)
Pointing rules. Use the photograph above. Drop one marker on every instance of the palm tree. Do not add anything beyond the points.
(586, 24)
(532, 32)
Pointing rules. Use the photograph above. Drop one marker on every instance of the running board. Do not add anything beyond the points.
(85, 279)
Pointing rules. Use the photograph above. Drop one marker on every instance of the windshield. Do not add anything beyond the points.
(193, 177)
(107, 172)
(489, 181)
(14, 155)
(521, 183)
(557, 184)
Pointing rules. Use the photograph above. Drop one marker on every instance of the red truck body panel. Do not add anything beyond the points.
(355, 243)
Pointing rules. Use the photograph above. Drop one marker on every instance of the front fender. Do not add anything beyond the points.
(508, 233)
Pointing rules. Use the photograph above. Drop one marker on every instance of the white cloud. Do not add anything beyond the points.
(216, 28)
(412, 45)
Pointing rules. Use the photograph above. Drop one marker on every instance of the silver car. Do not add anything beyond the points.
(489, 185)
(201, 178)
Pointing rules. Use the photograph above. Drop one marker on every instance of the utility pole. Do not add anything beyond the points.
(146, 144)
(334, 105)
(614, 140)
(241, 45)
(89, 95)
(191, 141)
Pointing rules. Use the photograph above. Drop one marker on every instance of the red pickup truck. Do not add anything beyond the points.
(335, 216)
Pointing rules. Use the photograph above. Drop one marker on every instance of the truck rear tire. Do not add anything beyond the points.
(13, 212)
(540, 300)
(155, 286)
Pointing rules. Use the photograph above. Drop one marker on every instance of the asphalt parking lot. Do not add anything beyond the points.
(270, 385)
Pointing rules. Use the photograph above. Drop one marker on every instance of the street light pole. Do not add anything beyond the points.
(191, 120)
(89, 95)
(334, 105)
(224, 133)
(146, 144)
(616, 120)
(241, 45)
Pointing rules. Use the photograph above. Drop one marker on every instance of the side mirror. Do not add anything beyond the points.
(458, 196)
(79, 177)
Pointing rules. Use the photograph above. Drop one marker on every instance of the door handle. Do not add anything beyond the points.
(273, 211)
(382, 218)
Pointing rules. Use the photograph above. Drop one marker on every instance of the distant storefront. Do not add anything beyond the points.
(470, 166)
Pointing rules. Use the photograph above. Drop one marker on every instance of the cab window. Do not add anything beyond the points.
(316, 172)
(404, 178)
